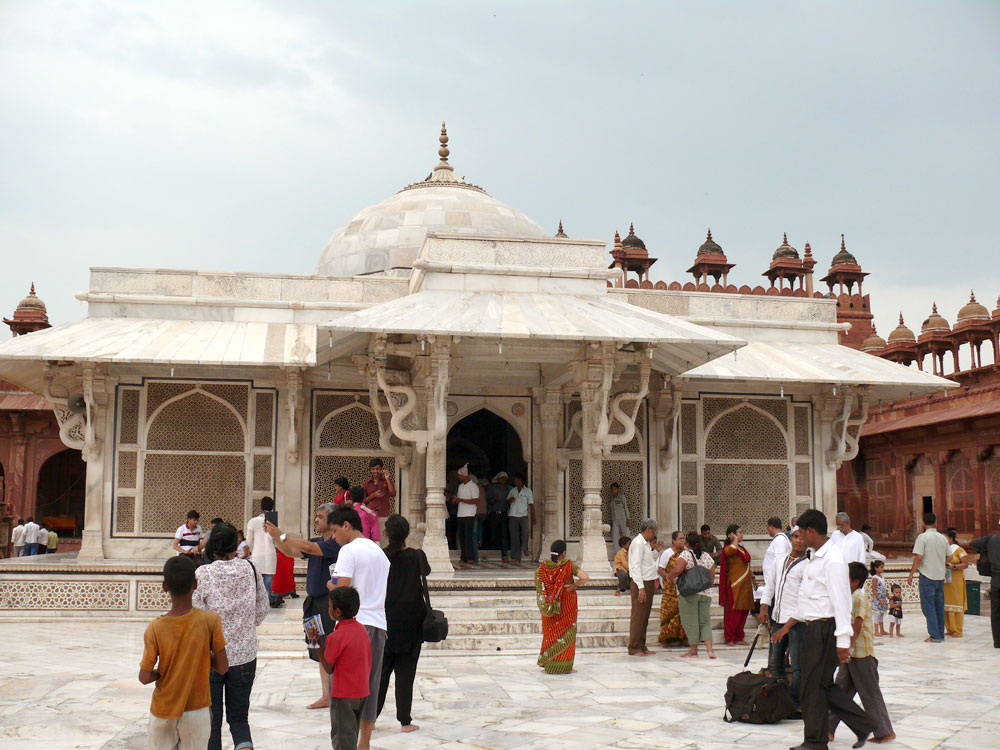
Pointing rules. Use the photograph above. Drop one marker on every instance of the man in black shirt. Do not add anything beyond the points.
(989, 545)
(320, 553)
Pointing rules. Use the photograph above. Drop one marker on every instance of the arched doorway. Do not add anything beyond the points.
(62, 483)
(489, 444)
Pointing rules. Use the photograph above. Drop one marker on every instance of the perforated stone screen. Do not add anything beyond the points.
(745, 433)
(630, 476)
(689, 428)
(175, 483)
(746, 494)
(262, 473)
(326, 468)
(128, 419)
(802, 431)
(127, 469)
(196, 423)
(354, 428)
(125, 515)
(264, 420)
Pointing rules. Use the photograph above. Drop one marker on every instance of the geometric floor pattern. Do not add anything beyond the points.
(72, 684)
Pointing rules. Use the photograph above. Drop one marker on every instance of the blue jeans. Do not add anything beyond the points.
(268, 579)
(234, 686)
(31, 549)
(792, 643)
(932, 605)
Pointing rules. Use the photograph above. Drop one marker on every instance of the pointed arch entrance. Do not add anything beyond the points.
(489, 444)
(62, 484)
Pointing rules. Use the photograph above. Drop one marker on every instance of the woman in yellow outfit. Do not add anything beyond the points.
(955, 597)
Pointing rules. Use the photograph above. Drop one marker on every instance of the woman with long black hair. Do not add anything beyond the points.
(233, 588)
(404, 617)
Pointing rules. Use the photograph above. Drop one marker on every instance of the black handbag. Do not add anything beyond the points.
(694, 580)
(435, 623)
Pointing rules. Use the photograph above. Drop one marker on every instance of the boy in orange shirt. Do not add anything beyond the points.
(180, 647)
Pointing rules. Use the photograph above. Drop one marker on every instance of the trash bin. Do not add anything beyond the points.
(972, 593)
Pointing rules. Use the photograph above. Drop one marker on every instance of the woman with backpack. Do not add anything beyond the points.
(695, 609)
(233, 588)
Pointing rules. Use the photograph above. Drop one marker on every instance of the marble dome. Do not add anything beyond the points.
(385, 238)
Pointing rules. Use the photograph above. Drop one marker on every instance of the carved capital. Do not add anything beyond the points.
(294, 404)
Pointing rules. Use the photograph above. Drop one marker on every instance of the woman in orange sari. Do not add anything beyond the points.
(735, 586)
(671, 630)
(556, 581)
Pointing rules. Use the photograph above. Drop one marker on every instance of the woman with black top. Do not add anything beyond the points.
(404, 616)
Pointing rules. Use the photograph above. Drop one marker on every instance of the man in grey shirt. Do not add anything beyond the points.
(930, 555)
(619, 514)
(989, 545)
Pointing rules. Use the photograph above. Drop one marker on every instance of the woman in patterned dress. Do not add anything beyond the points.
(671, 631)
(735, 586)
(556, 581)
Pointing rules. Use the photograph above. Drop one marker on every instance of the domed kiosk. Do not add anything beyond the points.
(385, 238)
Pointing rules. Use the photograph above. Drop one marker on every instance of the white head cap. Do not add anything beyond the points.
(464, 471)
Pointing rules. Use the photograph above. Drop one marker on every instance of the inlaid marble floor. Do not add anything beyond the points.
(73, 685)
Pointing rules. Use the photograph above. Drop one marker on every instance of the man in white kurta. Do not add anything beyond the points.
(262, 552)
(850, 543)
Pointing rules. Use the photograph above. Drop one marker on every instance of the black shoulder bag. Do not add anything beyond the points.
(435, 623)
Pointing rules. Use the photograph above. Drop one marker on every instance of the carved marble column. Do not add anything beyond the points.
(435, 543)
(593, 548)
(416, 492)
(550, 402)
(96, 396)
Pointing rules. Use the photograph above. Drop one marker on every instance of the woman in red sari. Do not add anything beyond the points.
(735, 586)
(556, 581)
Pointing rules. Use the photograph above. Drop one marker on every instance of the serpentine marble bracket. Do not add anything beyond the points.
(853, 408)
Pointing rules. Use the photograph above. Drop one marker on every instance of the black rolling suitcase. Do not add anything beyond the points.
(757, 699)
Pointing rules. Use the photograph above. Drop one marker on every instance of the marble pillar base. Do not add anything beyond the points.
(594, 555)
(91, 546)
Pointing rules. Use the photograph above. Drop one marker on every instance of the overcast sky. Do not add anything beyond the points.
(240, 135)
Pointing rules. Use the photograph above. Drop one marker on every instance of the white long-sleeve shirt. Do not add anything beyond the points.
(826, 592)
(261, 546)
(30, 532)
(782, 586)
(780, 545)
(641, 563)
(852, 545)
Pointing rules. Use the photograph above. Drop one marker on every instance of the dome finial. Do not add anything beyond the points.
(560, 233)
(32, 292)
(443, 152)
(843, 245)
(972, 294)
(631, 228)
(709, 234)
(934, 308)
(901, 317)
(784, 238)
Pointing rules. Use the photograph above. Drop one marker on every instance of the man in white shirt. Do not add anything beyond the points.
(642, 571)
(189, 537)
(261, 545)
(30, 537)
(824, 605)
(362, 564)
(17, 538)
(467, 495)
(520, 507)
(778, 606)
(43, 540)
(849, 541)
(780, 545)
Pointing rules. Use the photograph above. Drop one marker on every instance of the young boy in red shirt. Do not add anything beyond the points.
(348, 656)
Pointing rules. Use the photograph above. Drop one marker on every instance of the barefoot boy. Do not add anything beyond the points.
(180, 647)
(860, 673)
(349, 650)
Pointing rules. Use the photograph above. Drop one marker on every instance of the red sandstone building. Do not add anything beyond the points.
(39, 475)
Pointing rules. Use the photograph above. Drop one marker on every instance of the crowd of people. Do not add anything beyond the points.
(489, 514)
(365, 608)
(29, 538)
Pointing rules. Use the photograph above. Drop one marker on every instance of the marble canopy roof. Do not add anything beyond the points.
(790, 362)
(517, 316)
(160, 342)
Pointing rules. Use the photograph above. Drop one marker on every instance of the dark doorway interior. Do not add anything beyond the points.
(61, 491)
(489, 444)
(928, 504)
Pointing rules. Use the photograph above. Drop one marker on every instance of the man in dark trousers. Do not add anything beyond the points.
(989, 545)
(824, 605)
